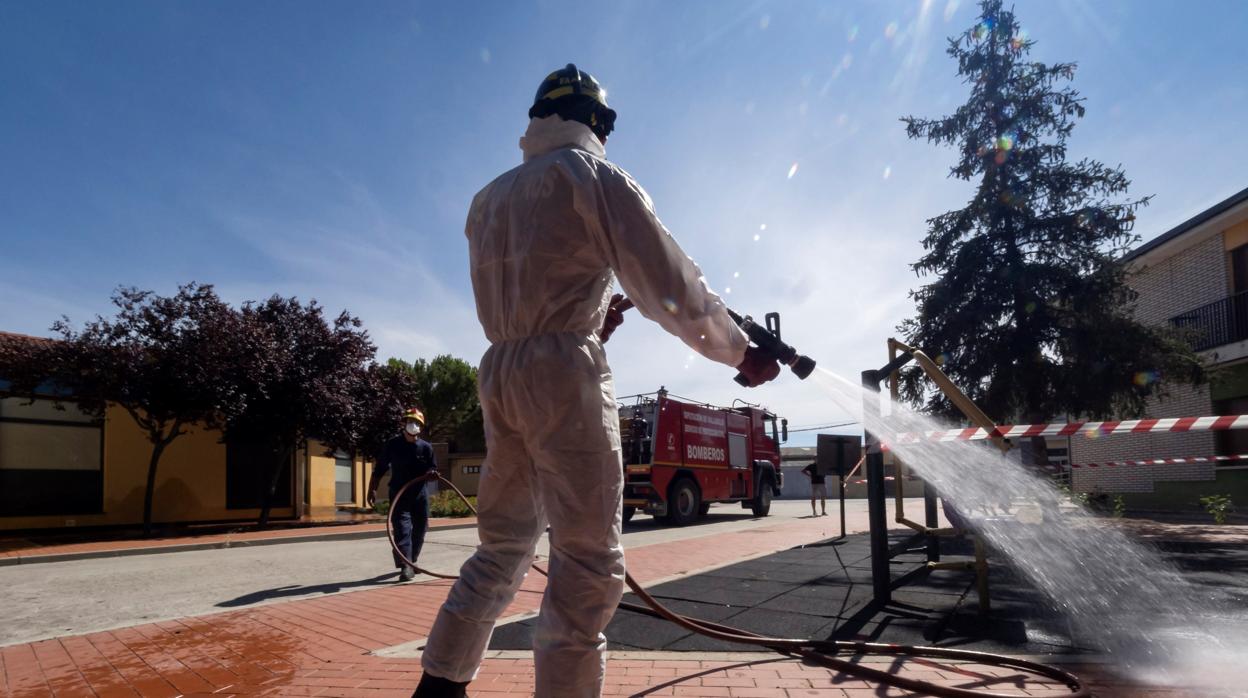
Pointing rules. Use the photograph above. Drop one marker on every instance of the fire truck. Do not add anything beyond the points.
(680, 457)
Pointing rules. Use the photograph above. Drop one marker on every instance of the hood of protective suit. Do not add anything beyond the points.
(552, 133)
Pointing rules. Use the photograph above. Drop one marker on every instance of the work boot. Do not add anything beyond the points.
(408, 573)
(431, 686)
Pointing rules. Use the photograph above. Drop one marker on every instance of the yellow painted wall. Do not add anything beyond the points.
(1235, 236)
(320, 482)
(465, 481)
(321, 491)
(190, 481)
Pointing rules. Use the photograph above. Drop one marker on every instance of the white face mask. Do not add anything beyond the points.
(412, 428)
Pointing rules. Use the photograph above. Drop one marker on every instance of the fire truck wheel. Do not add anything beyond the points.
(628, 513)
(684, 502)
(704, 509)
(761, 506)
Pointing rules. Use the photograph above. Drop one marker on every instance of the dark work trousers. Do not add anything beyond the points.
(410, 521)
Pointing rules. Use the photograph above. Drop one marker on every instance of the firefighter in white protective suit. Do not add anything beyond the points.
(546, 240)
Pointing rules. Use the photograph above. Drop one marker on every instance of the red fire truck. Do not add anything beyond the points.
(681, 456)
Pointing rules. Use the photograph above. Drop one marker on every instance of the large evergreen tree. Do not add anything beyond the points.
(1030, 311)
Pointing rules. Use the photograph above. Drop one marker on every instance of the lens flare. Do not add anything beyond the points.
(888, 171)
(727, 290)
(757, 237)
(736, 274)
(792, 171)
(853, 33)
(950, 8)
(891, 30)
(669, 305)
(764, 22)
(983, 29)
(1143, 379)
(1019, 40)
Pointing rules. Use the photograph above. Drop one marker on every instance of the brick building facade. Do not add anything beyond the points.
(1194, 276)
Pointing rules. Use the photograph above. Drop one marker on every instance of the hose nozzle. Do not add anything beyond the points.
(767, 338)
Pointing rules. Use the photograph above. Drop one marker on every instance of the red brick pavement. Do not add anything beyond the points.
(322, 647)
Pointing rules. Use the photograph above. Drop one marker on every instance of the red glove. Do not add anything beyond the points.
(614, 317)
(758, 367)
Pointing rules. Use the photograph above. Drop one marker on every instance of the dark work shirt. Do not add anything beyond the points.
(404, 461)
(815, 477)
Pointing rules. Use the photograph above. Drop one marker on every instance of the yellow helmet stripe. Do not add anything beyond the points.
(567, 90)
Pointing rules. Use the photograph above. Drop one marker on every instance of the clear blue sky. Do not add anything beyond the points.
(329, 150)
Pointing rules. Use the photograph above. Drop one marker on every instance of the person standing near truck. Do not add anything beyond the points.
(406, 457)
(818, 487)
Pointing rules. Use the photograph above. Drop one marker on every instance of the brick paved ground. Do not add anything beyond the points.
(322, 647)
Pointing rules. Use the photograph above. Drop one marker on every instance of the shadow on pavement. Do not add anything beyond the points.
(642, 522)
(296, 590)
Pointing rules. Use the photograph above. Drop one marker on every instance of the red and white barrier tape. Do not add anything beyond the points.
(1162, 461)
(1089, 429)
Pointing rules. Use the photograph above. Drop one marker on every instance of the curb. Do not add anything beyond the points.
(215, 545)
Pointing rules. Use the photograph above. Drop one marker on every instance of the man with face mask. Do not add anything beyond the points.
(546, 242)
(406, 457)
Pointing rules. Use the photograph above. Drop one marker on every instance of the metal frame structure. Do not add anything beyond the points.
(881, 553)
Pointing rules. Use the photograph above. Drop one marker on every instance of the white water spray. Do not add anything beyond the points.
(1120, 597)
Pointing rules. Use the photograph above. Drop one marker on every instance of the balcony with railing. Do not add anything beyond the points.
(1214, 324)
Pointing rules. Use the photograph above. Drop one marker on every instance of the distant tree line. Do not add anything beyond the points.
(277, 372)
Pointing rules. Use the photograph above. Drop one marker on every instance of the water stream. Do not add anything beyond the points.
(1120, 596)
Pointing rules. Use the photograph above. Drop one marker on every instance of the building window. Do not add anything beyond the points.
(248, 466)
(51, 461)
(472, 470)
(1239, 269)
(344, 478)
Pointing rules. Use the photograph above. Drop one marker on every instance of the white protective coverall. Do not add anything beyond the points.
(544, 239)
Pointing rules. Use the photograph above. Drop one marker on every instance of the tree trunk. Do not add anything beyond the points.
(157, 449)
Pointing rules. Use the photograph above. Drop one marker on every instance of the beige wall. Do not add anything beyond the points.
(462, 466)
(1235, 236)
(1187, 280)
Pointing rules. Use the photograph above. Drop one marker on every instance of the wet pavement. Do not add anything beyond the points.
(824, 591)
(781, 574)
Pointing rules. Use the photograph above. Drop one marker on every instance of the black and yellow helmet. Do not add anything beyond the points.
(575, 96)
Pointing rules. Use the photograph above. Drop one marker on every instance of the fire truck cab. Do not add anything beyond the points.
(681, 456)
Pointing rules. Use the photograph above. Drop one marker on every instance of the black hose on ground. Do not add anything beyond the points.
(821, 652)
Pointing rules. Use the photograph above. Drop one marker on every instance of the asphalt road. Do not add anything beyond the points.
(68, 598)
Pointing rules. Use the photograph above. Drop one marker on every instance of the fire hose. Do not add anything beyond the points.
(819, 652)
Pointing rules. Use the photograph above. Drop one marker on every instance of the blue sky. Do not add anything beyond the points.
(329, 150)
